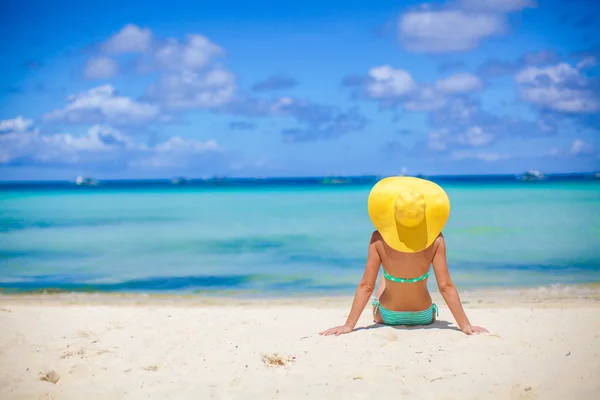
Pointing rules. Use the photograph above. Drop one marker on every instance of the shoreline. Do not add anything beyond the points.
(546, 296)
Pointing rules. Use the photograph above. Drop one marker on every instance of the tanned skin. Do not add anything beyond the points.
(404, 296)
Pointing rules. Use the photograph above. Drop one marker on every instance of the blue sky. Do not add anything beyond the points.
(128, 90)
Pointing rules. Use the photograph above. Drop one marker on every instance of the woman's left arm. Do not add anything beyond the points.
(363, 292)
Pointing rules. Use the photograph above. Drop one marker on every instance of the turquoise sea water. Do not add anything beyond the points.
(282, 239)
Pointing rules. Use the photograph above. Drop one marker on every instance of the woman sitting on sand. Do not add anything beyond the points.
(409, 214)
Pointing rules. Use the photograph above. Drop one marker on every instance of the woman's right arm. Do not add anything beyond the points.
(448, 290)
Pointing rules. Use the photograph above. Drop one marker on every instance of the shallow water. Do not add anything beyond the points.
(283, 239)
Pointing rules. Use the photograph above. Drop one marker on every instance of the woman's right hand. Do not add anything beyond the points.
(336, 331)
(471, 329)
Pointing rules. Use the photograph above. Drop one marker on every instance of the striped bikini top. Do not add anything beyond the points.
(403, 280)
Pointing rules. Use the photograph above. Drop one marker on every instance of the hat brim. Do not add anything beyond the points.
(397, 236)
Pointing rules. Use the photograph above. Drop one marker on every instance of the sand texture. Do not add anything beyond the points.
(103, 347)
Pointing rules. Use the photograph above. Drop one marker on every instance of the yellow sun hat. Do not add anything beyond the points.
(409, 212)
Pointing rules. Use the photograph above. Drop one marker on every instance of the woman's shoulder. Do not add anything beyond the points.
(376, 237)
(439, 241)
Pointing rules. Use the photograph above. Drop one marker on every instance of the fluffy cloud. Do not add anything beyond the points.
(386, 82)
(130, 39)
(447, 30)
(461, 125)
(190, 89)
(32, 147)
(191, 79)
(458, 27)
(192, 76)
(559, 87)
(103, 105)
(100, 68)
(188, 74)
(456, 120)
(192, 55)
(18, 124)
(100, 146)
(392, 86)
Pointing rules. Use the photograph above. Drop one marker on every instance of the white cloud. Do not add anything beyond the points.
(558, 87)
(459, 83)
(196, 53)
(389, 82)
(447, 30)
(99, 146)
(61, 148)
(130, 39)
(579, 147)
(102, 104)
(497, 5)
(459, 26)
(100, 68)
(18, 124)
(556, 73)
(189, 89)
(190, 77)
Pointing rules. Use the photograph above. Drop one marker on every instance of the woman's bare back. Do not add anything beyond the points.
(398, 296)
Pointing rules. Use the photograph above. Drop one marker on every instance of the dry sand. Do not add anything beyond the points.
(543, 344)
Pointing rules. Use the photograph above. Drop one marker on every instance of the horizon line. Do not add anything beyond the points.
(306, 177)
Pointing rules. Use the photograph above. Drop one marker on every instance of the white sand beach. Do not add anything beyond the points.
(543, 344)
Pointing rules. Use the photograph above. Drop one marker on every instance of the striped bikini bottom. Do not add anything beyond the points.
(390, 317)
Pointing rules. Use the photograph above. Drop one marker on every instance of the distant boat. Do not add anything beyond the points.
(596, 175)
(531, 176)
(180, 180)
(83, 181)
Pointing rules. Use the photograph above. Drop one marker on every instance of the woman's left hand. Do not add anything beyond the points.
(337, 331)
